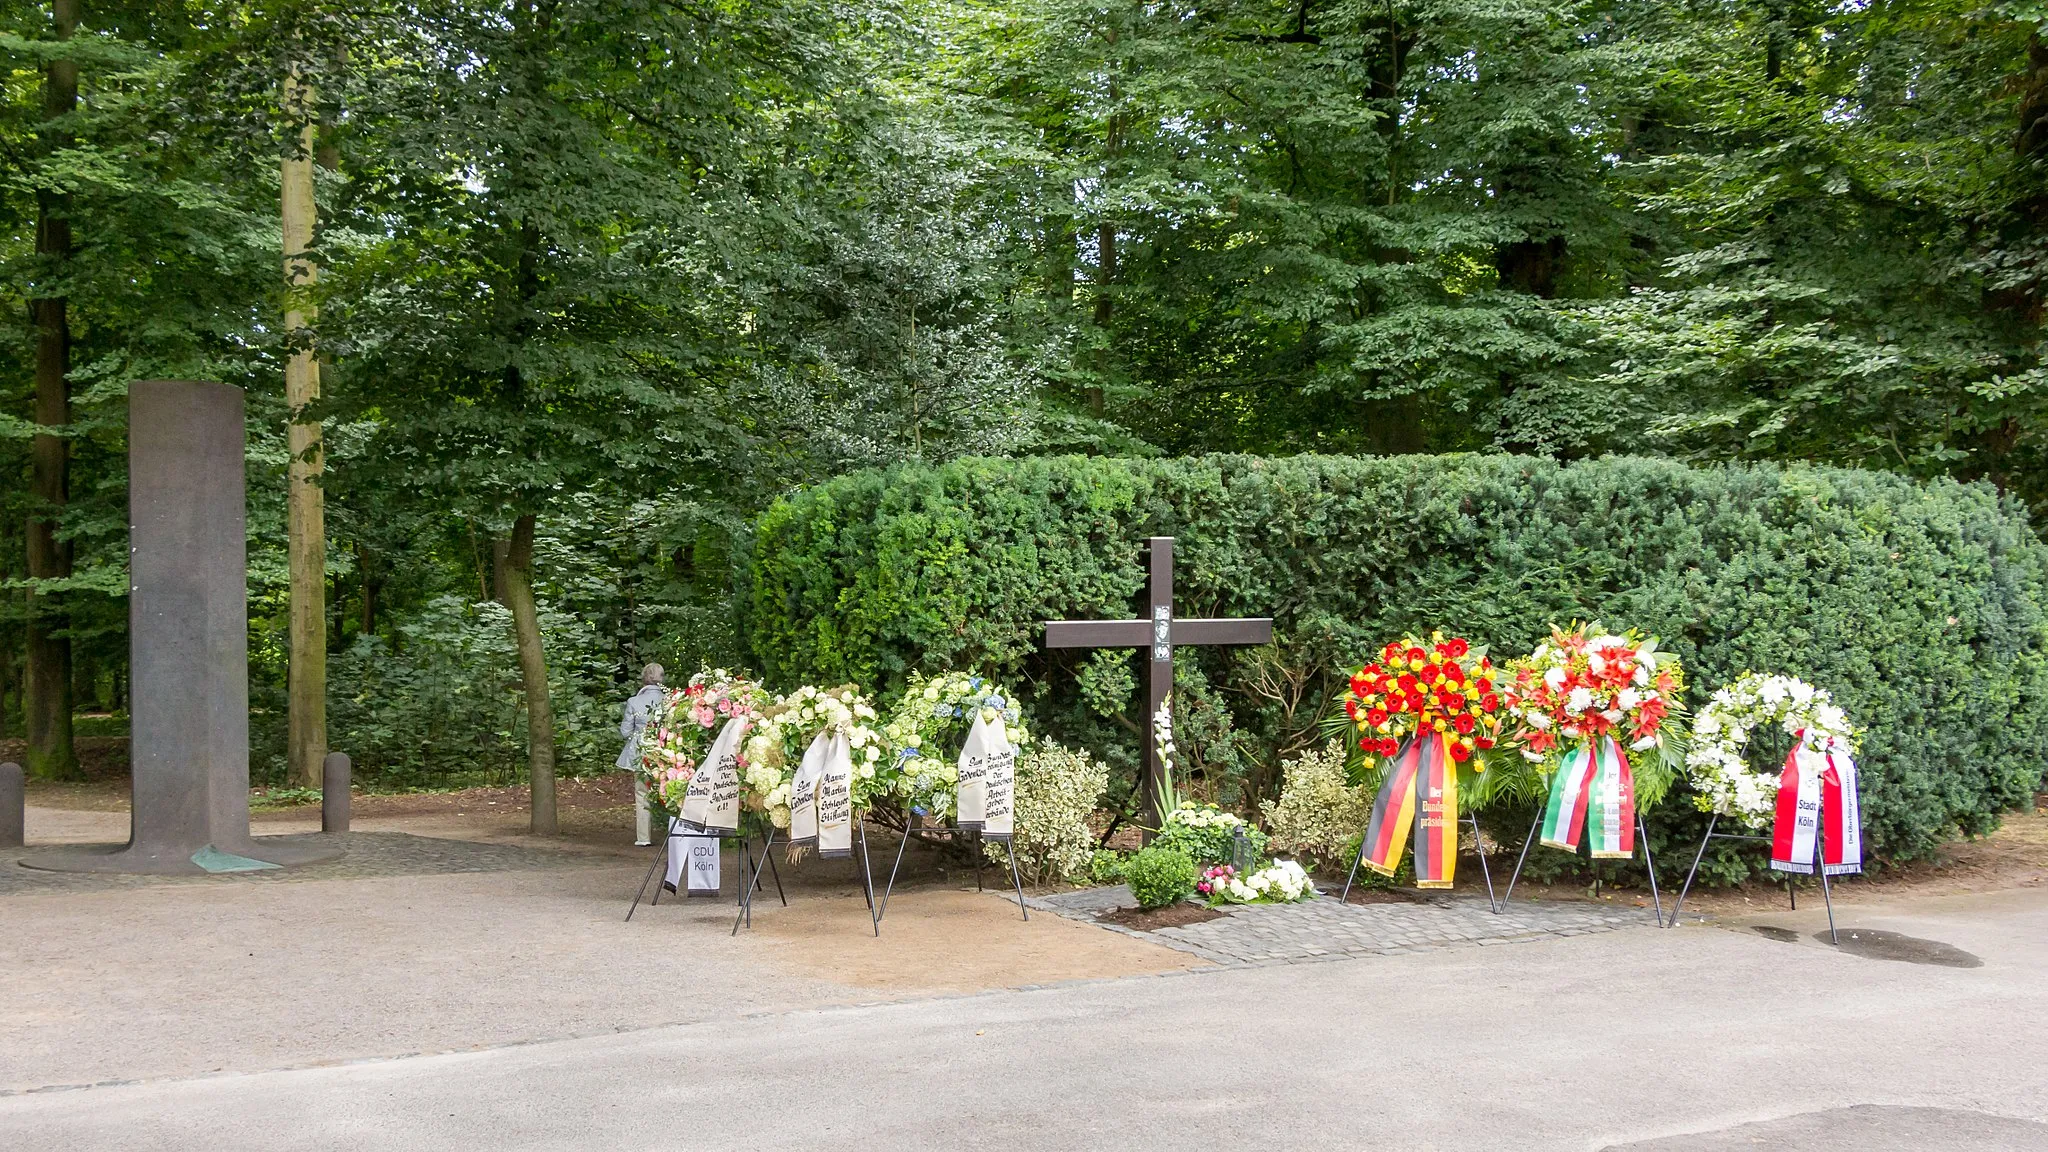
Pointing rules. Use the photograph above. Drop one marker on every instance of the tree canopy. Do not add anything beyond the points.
(616, 275)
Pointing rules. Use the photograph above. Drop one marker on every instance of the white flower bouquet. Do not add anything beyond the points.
(927, 727)
(1281, 882)
(776, 746)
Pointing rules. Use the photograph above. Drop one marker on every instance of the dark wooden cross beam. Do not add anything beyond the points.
(1161, 632)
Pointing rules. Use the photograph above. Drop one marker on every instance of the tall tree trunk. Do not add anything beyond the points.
(369, 615)
(306, 550)
(46, 697)
(515, 586)
(1059, 262)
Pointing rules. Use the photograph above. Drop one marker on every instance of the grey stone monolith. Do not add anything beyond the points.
(188, 642)
(334, 792)
(13, 806)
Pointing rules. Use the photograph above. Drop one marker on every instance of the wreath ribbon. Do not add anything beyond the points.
(1817, 794)
(1420, 788)
(1593, 793)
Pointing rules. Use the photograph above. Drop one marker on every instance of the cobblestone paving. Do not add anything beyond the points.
(366, 854)
(1323, 929)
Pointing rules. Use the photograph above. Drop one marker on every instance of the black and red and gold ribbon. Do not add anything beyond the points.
(1420, 790)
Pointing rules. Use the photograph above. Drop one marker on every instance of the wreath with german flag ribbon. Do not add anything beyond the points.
(1427, 709)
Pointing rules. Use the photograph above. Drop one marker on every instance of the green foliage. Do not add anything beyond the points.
(1207, 843)
(269, 798)
(1320, 813)
(1917, 605)
(1161, 876)
(1106, 866)
(1057, 789)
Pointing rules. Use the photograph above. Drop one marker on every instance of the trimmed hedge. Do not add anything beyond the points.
(1917, 604)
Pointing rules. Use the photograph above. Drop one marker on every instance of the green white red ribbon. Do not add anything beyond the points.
(1593, 793)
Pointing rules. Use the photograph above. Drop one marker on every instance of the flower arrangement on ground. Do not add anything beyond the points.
(676, 741)
(1580, 696)
(1427, 708)
(1720, 773)
(787, 727)
(928, 725)
(1281, 882)
(1207, 833)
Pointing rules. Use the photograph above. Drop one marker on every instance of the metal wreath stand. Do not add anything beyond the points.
(914, 829)
(1649, 864)
(867, 876)
(1820, 865)
(745, 856)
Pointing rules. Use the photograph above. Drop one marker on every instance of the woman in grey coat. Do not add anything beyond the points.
(640, 709)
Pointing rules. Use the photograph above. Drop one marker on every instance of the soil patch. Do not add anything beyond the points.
(936, 940)
(1152, 919)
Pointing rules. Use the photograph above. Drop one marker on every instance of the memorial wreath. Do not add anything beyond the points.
(1578, 697)
(805, 725)
(1427, 708)
(927, 728)
(674, 744)
(1717, 764)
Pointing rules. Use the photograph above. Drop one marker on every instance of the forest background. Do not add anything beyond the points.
(598, 282)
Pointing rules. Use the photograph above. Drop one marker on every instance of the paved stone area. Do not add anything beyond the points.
(366, 854)
(1323, 929)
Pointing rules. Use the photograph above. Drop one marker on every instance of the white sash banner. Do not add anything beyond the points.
(692, 860)
(713, 802)
(1818, 807)
(970, 808)
(835, 800)
(1844, 843)
(989, 758)
(803, 794)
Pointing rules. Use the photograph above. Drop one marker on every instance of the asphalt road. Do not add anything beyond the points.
(1695, 1039)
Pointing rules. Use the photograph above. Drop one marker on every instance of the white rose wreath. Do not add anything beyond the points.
(1720, 733)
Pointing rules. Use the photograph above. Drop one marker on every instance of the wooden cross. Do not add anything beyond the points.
(1160, 633)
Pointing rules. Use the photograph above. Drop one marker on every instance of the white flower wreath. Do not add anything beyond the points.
(776, 746)
(1720, 775)
(939, 708)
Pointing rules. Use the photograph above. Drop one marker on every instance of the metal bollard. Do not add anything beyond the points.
(13, 814)
(334, 785)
